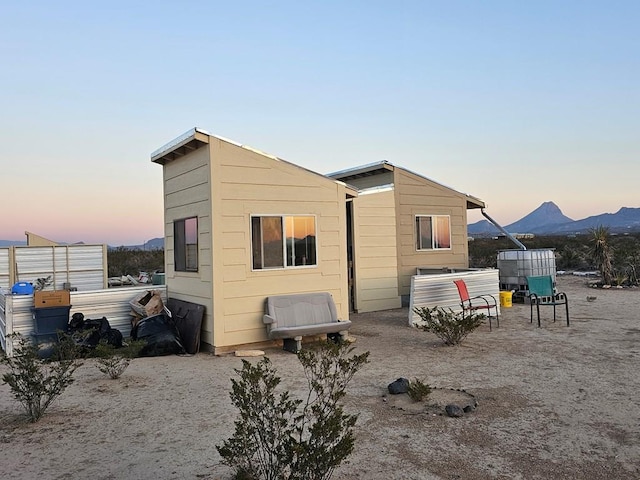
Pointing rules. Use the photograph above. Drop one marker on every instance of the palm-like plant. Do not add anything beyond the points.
(601, 252)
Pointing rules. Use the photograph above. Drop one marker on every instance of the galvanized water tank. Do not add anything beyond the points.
(515, 266)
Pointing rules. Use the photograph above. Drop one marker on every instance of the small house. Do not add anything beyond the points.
(242, 225)
(401, 224)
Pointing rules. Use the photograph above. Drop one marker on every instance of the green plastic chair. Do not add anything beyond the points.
(542, 292)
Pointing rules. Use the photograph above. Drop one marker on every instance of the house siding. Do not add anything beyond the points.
(416, 195)
(187, 193)
(246, 183)
(375, 252)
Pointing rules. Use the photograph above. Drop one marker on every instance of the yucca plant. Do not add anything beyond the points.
(602, 252)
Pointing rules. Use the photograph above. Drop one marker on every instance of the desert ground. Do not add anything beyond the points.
(554, 402)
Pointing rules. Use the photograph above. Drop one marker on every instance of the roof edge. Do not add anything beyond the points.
(177, 142)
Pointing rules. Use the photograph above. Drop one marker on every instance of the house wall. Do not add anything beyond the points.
(187, 193)
(416, 195)
(245, 183)
(375, 252)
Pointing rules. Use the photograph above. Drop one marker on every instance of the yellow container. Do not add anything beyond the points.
(505, 299)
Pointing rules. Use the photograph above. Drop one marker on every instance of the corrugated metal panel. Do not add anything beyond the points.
(86, 280)
(3, 321)
(80, 265)
(113, 303)
(4, 268)
(438, 290)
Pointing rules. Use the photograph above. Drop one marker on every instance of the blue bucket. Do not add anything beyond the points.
(22, 288)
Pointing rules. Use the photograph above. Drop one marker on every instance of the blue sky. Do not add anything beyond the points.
(516, 103)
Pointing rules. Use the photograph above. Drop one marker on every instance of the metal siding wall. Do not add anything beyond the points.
(80, 265)
(5, 269)
(439, 290)
(16, 315)
(3, 321)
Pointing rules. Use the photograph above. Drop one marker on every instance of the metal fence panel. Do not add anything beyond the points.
(438, 290)
(16, 314)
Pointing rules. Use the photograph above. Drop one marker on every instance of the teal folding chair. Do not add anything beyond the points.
(542, 292)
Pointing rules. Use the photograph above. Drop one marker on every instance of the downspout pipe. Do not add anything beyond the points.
(499, 227)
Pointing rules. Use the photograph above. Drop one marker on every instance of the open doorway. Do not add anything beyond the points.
(350, 258)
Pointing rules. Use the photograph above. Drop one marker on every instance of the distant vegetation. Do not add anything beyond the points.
(575, 252)
(127, 261)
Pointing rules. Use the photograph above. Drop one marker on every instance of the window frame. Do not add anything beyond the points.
(181, 237)
(434, 233)
(285, 243)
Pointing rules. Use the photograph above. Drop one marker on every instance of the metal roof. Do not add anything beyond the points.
(197, 137)
(383, 166)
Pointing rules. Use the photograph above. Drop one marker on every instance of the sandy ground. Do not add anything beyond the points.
(553, 402)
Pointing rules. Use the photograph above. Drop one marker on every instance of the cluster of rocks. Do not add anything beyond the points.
(469, 403)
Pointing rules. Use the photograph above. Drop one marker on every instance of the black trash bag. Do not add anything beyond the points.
(88, 332)
(160, 334)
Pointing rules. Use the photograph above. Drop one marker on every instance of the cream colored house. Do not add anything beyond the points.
(401, 222)
(241, 225)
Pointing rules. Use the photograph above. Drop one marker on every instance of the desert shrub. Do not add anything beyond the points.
(127, 261)
(34, 382)
(451, 327)
(277, 437)
(114, 361)
(573, 252)
(418, 390)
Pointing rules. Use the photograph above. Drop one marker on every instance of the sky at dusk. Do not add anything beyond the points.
(516, 103)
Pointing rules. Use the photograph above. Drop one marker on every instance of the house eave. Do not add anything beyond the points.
(180, 146)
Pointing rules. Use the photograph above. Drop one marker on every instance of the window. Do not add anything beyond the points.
(283, 241)
(185, 244)
(433, 232)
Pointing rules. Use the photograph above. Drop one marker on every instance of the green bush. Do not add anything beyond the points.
(34, 382)
(451, 327)
(418, 390)
(277, 437)
(114, 361)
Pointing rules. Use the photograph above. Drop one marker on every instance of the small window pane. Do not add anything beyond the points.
(424, 234)
(443, 233)
(191, 242)
(283, 241)
(266, 246)
(301, 241)
(433, 232)
(185, 238)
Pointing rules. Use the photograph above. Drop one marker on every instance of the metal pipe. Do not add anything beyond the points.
(499, 227)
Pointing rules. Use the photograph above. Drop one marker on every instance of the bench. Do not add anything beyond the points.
(290, 317)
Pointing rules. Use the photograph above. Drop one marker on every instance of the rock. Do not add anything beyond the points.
(249, 353)
(401, 385)
(454, 410)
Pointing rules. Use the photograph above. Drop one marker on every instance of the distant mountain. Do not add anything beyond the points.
(548, 219)
(153, 244)
(544, 218)
(624, 220)
(11, 243)
(482, 227)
